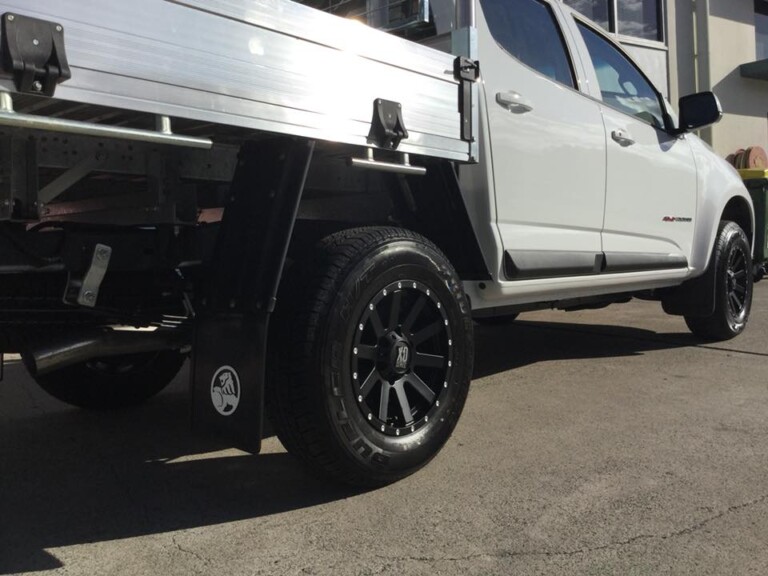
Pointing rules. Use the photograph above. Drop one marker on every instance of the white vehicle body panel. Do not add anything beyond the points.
(542, 159)
(719, 185)
(659, 176)
(648, 181)
(499, 294)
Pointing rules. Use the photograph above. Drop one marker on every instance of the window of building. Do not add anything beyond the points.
(599, 11)
(637, 18)
(528, 31)
(761, 28)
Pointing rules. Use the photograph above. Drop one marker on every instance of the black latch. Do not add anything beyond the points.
(387, 126)
(33, 51)
(466, 71)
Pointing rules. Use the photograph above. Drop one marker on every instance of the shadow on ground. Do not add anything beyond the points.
(520, 343)
(70, 477)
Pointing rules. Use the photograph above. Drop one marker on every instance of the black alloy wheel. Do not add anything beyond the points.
(731, 263)
(401, 357)
(370, 355)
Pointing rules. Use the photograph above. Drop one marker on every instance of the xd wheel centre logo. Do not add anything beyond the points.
(225, 390)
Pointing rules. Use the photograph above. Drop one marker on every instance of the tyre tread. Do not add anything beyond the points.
(292, 403)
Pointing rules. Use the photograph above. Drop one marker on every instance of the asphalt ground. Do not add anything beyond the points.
(595, 442)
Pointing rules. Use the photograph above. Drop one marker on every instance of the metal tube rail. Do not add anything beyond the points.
(31, 122)
(371, 163)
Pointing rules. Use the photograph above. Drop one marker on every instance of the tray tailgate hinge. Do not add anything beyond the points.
(466, 71)
(33, 52)
(387, 126)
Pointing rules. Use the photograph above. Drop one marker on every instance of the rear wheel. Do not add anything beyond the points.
(732, 261)
(113, 382)
(373, 354)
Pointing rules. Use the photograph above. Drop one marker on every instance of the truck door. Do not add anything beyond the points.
(547, 142)
(651, 193)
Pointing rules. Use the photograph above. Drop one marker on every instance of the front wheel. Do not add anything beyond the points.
(732, 261)
(373, 355)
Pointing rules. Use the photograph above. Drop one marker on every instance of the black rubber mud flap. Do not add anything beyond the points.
(229, 353)
(694, 297)
(228, 374)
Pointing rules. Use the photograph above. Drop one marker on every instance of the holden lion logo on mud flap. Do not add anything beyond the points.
(225, 390)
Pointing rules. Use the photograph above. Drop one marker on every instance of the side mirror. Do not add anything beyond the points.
(699, 110)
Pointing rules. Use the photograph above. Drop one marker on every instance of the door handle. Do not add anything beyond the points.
(513, 102)
(622, 137)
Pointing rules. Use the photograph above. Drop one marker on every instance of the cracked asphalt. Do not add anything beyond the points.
(594, 442)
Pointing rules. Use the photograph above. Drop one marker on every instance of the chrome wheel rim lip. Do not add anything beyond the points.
(369, 358)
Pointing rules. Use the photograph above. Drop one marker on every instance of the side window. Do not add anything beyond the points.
(528, 31)
(622, 86)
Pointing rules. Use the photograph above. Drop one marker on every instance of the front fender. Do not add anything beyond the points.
(719, 184)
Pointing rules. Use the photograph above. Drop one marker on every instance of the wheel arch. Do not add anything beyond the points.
(338, 197)
(441, 216)
(736, 207)
(721, 196)
(740, 211)
(696, 296)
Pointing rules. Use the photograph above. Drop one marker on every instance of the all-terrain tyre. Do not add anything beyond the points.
(732, 261)
(114, 382)
(371, 355)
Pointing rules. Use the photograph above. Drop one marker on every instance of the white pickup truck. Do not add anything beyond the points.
(317, 211)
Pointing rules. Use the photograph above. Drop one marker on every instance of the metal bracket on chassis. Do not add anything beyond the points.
(229, 352)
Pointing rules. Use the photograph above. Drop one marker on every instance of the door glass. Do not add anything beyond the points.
(528, 31)
(622, 85)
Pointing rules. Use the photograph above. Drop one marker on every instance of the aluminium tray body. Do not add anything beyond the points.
(265, 65)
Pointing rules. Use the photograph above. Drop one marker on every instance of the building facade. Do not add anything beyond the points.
(722, 46)
(640, 26)
(688, 46)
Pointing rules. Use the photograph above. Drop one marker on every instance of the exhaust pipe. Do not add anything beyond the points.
(66, 350)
